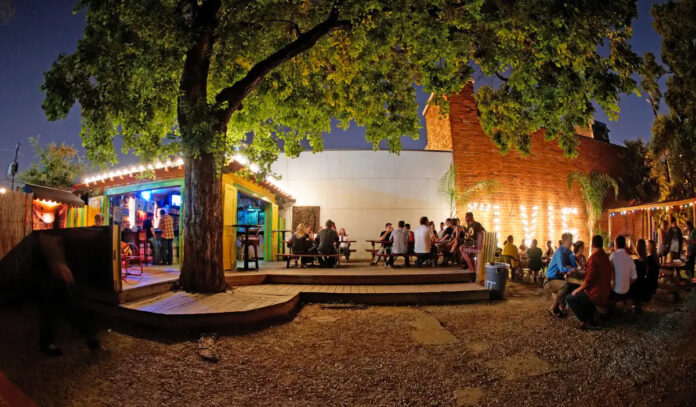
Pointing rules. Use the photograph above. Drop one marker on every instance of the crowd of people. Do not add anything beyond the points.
(593, 287)
(427, 243)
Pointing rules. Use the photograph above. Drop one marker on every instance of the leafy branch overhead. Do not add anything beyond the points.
(200, 76)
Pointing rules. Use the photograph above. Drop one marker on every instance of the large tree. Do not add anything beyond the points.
(674, 130)
(198, 76)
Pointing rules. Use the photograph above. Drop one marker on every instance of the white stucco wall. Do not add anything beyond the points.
(362, 190)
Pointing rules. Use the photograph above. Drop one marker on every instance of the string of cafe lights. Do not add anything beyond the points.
(177, 162)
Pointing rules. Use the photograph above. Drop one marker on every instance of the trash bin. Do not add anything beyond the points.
(496, 279)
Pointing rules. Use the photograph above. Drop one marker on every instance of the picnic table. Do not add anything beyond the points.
(672, 273)
(289, 256)
(282, 234)
(374, 251)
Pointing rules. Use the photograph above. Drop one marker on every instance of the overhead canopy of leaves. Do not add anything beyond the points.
(57, 166)
(674, 132)
(127, 71)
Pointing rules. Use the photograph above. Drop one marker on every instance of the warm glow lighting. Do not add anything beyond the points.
(47, 204)
(3, 190)
(131, 212)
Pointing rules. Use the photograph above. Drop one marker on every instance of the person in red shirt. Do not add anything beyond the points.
(595, 289)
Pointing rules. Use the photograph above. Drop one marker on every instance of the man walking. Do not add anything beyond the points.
(166, 225)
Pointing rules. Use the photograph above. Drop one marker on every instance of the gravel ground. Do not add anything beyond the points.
(505, 353)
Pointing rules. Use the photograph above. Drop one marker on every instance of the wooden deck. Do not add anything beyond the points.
(275, 292)
(353, 275)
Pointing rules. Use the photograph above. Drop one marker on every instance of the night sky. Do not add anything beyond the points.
(40, 30)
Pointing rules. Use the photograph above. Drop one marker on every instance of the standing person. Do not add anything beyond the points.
(624, 270)
(151, 237)
(690, 248)
(423, 242)
(535, 259)
(328, 239)
(596, 286)
(166, 225)
(662, 248)
(674, 240)
(639, 287)
(399, 238)
(56, 294)
(562, 263)
(98, 219)
(385, 248)
(345, 243)
(653, 270)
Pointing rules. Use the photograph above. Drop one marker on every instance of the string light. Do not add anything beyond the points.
(132, 170)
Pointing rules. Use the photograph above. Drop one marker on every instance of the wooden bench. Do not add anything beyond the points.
(289, 257)
(404, 255)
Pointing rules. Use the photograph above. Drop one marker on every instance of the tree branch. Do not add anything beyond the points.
(292, 24)
(501, 77)
(234, 94)
(194, 78)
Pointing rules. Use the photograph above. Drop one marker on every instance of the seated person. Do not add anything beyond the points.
(562, 263)
(345, 243)
(327, 242)
(300, 243)
(535, 259)
(594, 291)
(512, 253)
(624, 271)
(98, 219)
(384, 248)
(423, 238)
(399, 238)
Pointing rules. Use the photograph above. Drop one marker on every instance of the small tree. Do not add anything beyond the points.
(58, 166)
(595, 187)
(448, 189)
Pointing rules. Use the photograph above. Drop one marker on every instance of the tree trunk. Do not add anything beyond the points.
(201, 270)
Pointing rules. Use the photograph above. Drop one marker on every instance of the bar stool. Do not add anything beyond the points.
(251, 238)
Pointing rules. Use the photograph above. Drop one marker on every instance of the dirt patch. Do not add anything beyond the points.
(477, 347)
(468, 396)
(324, 319)
(429, 331)
(520, 366)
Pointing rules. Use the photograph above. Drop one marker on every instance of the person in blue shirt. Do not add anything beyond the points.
(562, 263)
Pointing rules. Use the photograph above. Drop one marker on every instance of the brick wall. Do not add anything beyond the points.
(537, 183)
(438, 129)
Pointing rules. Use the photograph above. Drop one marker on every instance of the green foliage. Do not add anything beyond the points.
(448, 189)
(674, 132)
(637, 182)
(595, 187)
(58, 166)
(166, 77)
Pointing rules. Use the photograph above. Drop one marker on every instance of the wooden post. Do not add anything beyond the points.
(609, 220)
(650, 224)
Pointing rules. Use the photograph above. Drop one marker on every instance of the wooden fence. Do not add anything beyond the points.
(15, 219)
